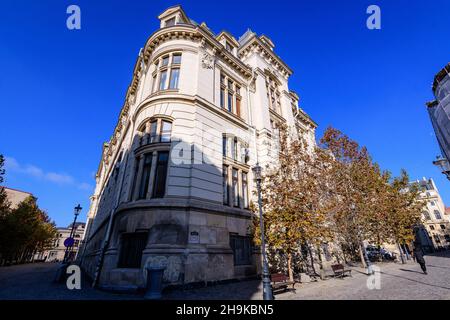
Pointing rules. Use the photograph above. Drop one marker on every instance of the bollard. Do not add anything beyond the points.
(154, 282)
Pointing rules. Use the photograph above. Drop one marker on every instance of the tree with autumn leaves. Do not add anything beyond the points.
(333, 192)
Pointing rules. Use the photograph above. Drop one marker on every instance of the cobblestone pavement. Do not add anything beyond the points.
(397, 281)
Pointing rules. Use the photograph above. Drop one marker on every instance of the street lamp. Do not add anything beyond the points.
(444, 165)
(77, 211)
(267, 287)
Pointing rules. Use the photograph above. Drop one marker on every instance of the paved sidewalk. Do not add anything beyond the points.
(34, 281)
(397, 282)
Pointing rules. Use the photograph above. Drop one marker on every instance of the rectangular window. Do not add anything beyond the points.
(222, 98)
(245, 190)
(143, 188)
(161, 175)
(225, 184)
(176, 59)
(162, 80)
(431, 227)
(442, 227)
(437, 214)
(153, 133)
(174, 76)
(235, 188)
(224, 146)
(238, 106)
(235, 149)
(166, 129)
(242, 250)
(230, 102)
(131, 247)
(165, 61)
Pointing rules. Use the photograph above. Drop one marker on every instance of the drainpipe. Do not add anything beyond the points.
(107, 239)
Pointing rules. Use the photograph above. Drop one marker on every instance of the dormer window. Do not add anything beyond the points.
(170, 22)
(229, 47)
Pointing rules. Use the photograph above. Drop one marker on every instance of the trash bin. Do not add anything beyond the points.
(154, 282)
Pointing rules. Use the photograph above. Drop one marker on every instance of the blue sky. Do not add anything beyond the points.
(62, 90)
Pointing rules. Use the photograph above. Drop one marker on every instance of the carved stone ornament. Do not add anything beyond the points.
(207, 60)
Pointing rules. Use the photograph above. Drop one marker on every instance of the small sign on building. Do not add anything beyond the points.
(194, 237)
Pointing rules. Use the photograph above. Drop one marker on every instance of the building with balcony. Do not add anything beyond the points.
(175, 183)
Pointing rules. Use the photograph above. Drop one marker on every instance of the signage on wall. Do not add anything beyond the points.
(194, 237)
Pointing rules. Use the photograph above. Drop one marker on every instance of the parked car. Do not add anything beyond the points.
(376, 254)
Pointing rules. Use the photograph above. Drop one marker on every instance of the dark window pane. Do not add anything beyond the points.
(143, 189)
(235, 188)
(131, 247)
(225, 184)
(153, 134)
(161, 175)
(230, 102)
(242, 249)
(165, 61)
(224, 146)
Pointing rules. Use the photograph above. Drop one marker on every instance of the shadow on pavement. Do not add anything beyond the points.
(413, 280)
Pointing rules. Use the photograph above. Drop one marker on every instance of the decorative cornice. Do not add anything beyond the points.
(441, 76)
(257, 45)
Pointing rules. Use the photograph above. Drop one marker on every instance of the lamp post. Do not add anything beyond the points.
(443, 164)
(267, 287)
(77, 211)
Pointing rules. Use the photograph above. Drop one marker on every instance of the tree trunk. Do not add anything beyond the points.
(289, 265)
(312, 259)
(322, 272)
(361, 254)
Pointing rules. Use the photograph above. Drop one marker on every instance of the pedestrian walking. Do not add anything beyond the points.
(418, 256)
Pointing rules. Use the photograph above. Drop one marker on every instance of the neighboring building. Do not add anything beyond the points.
(439, 111)
(435, 232)
(56, 253)
(16, 196)
(175, 181)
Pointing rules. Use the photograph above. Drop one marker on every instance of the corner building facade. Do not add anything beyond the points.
(175, 181)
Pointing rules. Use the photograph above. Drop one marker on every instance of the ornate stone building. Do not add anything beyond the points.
(175, 181)
(434, 233)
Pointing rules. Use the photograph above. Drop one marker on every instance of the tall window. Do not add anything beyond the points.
(225, 184)
(145, 179)
(245, 190)
(230, 98)
(167, 72)
(224, 146)
(242, 249)
(273, 95)
(426, 215)
(131, 247)
(437, 214)
(161, 175)
(235, 181)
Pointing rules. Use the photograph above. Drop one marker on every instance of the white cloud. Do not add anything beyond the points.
(12, 165)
